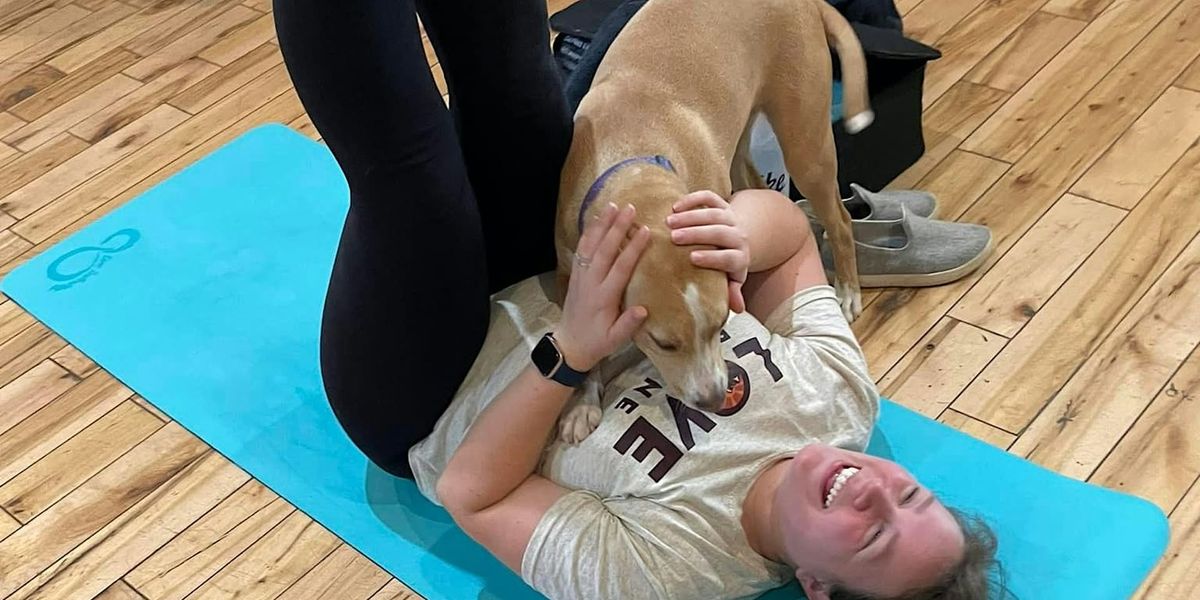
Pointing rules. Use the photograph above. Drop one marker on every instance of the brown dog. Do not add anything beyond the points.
(670, 112)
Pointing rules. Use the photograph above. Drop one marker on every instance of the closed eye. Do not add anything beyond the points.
(665, 346)
(910, 496)
(875, 537)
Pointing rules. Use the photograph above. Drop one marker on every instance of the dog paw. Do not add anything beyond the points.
(850, 298)
(578, 422)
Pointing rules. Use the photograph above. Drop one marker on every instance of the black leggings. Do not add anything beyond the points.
(446, 206)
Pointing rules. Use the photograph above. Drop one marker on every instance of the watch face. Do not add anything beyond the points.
(545, 356)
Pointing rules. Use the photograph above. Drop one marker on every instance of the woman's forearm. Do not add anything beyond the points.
(504, 444)
(775, 227)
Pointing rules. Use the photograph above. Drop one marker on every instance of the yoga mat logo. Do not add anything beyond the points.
(78, 265)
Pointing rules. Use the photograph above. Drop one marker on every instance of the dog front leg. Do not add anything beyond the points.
(582, 414)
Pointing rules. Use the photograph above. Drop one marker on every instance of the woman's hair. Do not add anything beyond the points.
(976, 577)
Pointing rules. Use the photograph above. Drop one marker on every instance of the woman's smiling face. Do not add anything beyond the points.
(863, 522)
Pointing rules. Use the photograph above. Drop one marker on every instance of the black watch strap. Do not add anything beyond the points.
(548, 359)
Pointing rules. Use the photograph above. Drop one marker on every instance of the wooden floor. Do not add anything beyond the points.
(1070, 127)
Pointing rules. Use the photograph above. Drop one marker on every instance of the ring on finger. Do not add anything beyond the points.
(583, 261)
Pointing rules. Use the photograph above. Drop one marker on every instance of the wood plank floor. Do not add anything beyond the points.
(1070, 127)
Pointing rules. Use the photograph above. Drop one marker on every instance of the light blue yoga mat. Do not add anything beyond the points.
(204, 295)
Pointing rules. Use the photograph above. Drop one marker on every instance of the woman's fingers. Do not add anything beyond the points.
(610, 244)
(622, 269)
(622, 331)
(737, 302)
(729, 261)
(700, 216)
(721, 236)
(698, 199)
(594, 230)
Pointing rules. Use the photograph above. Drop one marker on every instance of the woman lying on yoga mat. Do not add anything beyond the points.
(431, 375)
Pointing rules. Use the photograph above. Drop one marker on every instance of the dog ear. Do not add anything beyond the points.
(584, 134)
(584, 152)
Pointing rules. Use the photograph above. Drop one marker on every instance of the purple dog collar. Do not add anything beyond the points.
(594, 191)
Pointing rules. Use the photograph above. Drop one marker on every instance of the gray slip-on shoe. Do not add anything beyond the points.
(864, 204)
(888, 204)
(913, 251)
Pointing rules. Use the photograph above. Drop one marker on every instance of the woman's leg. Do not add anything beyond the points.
(407, 306)
(512, 121)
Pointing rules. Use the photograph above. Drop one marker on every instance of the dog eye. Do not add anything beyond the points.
(664, 346)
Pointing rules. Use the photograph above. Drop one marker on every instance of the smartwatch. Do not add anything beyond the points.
(549, 361)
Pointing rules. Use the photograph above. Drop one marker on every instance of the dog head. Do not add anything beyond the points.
(686, 305)
(686, 308)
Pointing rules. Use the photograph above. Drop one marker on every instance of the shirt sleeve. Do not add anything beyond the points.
(810, 333)
(588, 547)
(811, 312)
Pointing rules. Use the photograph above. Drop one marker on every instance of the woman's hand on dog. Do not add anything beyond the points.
(705, 218)
(593, 324)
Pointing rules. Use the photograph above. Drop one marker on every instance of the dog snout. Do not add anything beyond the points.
(710, 394)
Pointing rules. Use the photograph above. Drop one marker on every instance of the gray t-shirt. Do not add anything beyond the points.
(659, 486)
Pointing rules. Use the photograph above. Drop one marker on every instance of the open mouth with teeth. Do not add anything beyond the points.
(836, 481)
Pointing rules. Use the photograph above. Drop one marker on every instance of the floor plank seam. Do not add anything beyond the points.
(999, 335)
(1084, 97)
(385, 583)
(1099, 342)
(138, 506)
(169, 102)
(978, 275)
(950, 405)
(933, 42)
(60, 444)
(317, 563)
(1110, 204)
(78, 378)
(1191, 488)
(199, 519)
(243, 551)
(1067, 186)
(17, 233)
(157, 414)
(92, 476)
(1071, 185)
(968, 207)
(974, 153)
(926, 177)
(90, 216)
(1180, 81)
(1109, 318)
(1141, 413)
(34, 366)
(63, 193)
(1069, 276)
(20, 331)
(936, 97)
(130, 586)
(912, 8)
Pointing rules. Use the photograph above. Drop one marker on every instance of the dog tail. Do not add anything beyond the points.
(856, 106)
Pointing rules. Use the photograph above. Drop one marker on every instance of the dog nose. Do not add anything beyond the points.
(716, 398)
(711, 396)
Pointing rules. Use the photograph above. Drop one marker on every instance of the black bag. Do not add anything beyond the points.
(875, 156)
(895, 76)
